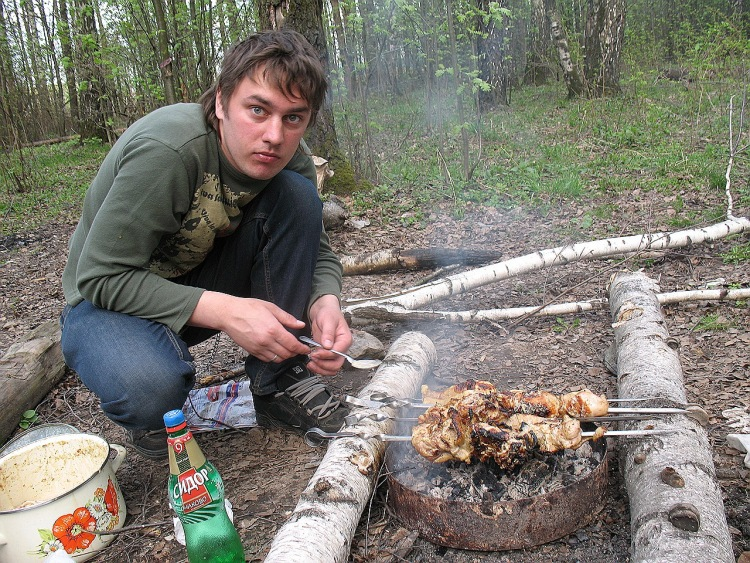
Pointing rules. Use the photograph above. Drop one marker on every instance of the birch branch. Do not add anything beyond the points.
(325, 519)
(457, 284)
(388, 312)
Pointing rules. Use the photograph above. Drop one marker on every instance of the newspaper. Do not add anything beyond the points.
(228, 405)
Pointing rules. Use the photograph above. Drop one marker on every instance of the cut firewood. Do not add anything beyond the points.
(414, 259)
(28, 370)
(676, 509)
(322, 525)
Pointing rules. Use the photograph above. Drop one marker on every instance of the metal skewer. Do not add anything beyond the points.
(386, 401)
(316, 436)
(646, 410)
(380, 417)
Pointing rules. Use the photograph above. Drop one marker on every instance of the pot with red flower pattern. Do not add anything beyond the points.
(55, 493)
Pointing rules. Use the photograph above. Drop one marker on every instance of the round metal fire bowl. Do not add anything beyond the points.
(501, 525)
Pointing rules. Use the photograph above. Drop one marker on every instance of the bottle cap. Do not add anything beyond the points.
(173, 418)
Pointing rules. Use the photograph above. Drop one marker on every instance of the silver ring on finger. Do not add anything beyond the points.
(275, 356)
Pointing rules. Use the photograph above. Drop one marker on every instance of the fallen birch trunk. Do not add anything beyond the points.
(389, 313)
(676, 509)
(456, 284)
(413, 259)
(321, 528)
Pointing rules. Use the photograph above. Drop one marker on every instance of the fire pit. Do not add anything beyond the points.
(481, 507)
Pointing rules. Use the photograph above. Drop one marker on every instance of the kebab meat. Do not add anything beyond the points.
(474, 421)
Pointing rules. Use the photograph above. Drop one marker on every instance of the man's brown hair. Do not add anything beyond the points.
(284, 56)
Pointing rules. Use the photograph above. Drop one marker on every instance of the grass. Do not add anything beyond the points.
(45, 183)
(658, 138)
(738, 254)
(713, 323)
(663, 138)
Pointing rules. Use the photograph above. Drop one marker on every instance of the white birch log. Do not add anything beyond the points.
(322, 526)
(676, 505)
(457, 284)
(389, 312)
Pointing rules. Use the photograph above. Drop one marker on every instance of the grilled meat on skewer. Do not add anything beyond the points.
(508, 444)
(541, 403)
(475, 421)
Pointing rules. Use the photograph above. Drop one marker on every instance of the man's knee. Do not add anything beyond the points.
(298, 194)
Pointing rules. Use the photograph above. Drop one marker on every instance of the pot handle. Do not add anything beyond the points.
(120, 452)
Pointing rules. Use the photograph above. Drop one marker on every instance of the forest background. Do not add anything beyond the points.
(439, 69)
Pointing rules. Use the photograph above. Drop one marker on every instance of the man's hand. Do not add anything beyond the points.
(330, 329)
(258, 326)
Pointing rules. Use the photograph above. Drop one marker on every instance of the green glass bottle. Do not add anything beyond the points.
(196, 493)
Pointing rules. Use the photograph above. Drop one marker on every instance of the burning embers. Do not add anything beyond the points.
(514, 470)
(487, 482)
(473, 421)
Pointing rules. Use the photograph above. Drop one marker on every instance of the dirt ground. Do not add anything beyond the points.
(265, 470)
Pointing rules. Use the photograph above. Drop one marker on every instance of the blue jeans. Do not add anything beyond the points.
(141, 369)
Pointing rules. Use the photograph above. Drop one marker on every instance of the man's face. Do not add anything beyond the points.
(260, 128)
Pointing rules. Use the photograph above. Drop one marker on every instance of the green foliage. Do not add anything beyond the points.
(28, 418)
(712, 322)
(738, 254)
(721, 50)
(561, 325)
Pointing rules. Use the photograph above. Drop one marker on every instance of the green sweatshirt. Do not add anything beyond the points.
(162, 195)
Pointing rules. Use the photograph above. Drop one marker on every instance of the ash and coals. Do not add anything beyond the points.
(483, 482)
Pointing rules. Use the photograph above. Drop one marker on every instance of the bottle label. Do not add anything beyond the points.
(191, 488)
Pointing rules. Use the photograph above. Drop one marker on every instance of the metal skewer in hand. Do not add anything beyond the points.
(356, 364)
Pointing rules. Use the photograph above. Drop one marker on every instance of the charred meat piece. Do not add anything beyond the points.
(474, 421)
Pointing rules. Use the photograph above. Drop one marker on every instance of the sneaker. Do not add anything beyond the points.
(304, 402)
(151, 444)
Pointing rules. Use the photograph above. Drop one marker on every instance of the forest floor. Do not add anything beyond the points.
(266, 470)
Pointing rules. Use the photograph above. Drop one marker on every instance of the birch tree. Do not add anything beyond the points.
(570, 72)
(604, 37)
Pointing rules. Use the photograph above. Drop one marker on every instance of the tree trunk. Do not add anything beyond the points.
(571, 75)
(306, 17)
(28, 370)
(414, 259)
(323, 523)
(494, 66)
(538, 70)
(55, 112)
(604, 37)
(9, 136)
(66, 47)
(345, 55)
(93, 120)
(458, 91)
(676, 509)
(37, 80)
(198, 29)
(165, 64)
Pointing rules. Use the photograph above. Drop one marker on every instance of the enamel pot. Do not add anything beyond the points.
(56, 491)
